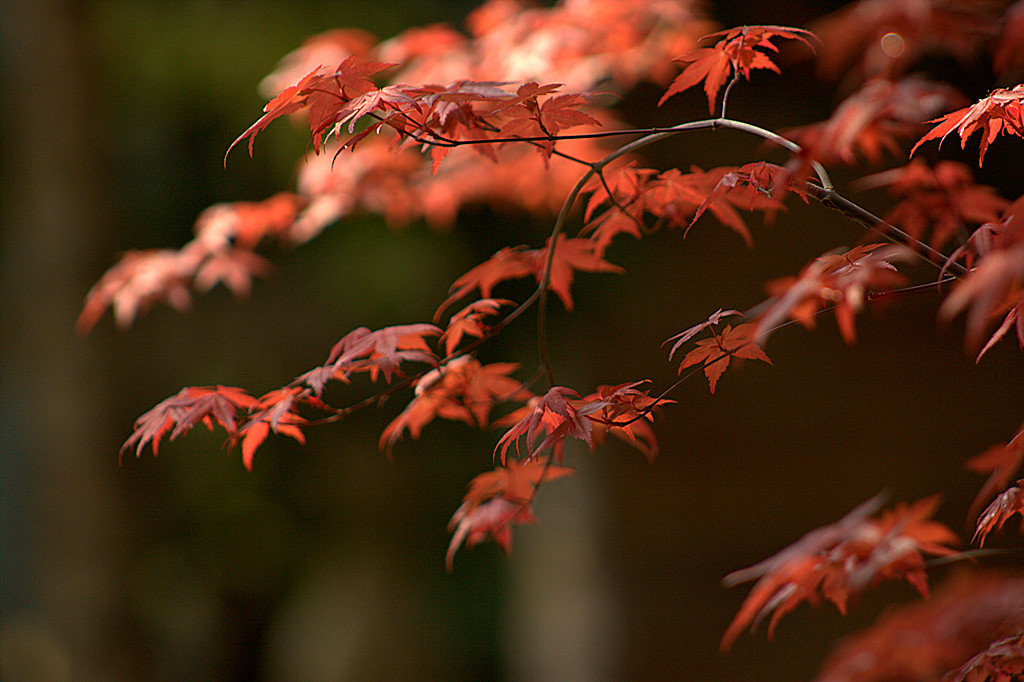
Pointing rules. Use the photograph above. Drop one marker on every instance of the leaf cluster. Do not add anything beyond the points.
(476, 119)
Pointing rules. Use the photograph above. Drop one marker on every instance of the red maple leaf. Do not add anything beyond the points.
(1005, 505)
(571, 254)
(193, 405)
(717, 351)
(1002, 112)
(943, 199)
(288, 101)
(621, 187)
(840, 560)
(1002, 463)
(469, 321)
(323, 93)
(462, 390)
(530, 118)
(497, 499)
(553, 415)
(234, 267)
(377, 352)
(995, 284)
(273, 412)
(387, 99)
(625, 413)
(680, 198)
(132, 286)
(246, 223)
(620, 183)
(508, 263)
(841, 279)
(737, 52)
(684, 336)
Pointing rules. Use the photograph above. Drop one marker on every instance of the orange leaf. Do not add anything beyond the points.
(736, 52)
(717, 351)
(1002, 112)
(840, 560)
(497, 499)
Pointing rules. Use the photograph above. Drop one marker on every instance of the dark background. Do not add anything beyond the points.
(326, 562)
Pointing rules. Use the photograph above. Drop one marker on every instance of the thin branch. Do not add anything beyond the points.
(832, 199)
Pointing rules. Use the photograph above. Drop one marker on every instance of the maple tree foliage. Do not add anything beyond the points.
(1002, 463)
(514, 114)
(736, 53)
(971, 627)
(1001, 113)
(497, 499)
(838, 561)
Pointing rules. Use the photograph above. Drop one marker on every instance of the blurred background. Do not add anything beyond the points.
(327, 561)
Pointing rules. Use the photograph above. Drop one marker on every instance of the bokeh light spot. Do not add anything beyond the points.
(892, 44)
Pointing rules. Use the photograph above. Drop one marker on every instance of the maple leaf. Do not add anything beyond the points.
(680, 198)
(508, 263)
(462, 390)
(737, 52)
(449, 112)
(377, 352)
(221, 252)
(1005, 505)
(684, 336)
(469, 321)
(625, 413)
(497, 499)
(530, 119)
(1001, 462)
(994, 287)
(840, 560)
(132, 286)
(730, 179)
(571, 254)
(995, 283)
(622, 188)
(874, 119)
(613, 222)
(554, 416)
(493, 519)
(323, 93)
(273, 412)
(246, 223)
(892, 548)
(288, 101)
(1002, 112)
(621, 183)
(234, 267)
(944, 199)
(390, 97)
(961, 629)
(843, 279)
(193, 405)
(717, 351)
